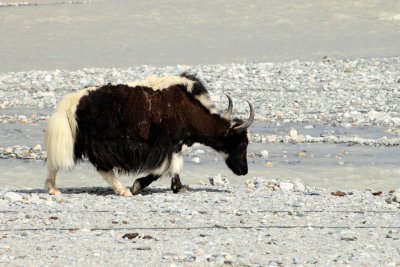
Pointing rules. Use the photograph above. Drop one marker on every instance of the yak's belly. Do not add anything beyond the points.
(168, 167)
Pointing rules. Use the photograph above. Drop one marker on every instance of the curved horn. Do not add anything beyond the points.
(228, 113)
(246, 124)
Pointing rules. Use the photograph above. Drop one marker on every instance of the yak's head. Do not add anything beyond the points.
(235, 142)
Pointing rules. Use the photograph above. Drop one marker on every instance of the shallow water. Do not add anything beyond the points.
(321, 165)
(127, 33)
(319, 173)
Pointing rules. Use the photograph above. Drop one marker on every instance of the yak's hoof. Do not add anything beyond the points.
(136, 188)
(54, 191)
(180, 189)
(125, 193)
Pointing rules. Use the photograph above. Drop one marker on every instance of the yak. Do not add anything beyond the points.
(139, 128)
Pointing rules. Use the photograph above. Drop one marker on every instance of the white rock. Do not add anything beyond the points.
(293, 134)
(271, 138)
(22, 118)
(37, 148)
(218, 180)
(285, 186)
(48, 78)
(309, 127)
(199, 152)
(299, 186)
(12, 197)
(34, 199)
(374, 115)
(195, 160)
(264, 154)
(278, 114)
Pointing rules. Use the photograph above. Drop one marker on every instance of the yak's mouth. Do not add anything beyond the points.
(237, 169)
(241, 171)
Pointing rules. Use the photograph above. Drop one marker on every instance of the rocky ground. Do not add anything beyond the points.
(265, 223)
(311, 117)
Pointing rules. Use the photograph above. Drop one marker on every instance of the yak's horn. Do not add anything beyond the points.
(247, 123)
(228, 113)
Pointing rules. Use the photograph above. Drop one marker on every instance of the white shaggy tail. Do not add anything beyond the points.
(59, 142)
(61, 132)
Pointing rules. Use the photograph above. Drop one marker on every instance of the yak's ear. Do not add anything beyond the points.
(236, 122)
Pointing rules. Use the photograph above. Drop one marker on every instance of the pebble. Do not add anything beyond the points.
(195, 160)
(264, 154)
(218, 180)
(293, 134)
(286, 186)
(348, 235)
(12, 197)
(299, 186)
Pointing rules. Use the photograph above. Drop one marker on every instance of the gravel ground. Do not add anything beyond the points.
(304, 111)
(266, 223)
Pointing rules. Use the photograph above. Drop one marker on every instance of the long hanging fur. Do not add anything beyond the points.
(61, 132)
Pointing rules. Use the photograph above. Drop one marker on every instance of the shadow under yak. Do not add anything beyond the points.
(105, 191)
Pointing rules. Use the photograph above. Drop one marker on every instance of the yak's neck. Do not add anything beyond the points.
(208, 129)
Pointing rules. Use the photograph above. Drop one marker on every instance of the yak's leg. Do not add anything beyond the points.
(115, 184)
(50, 184)
(142, 183)
(176, 184)
(176, 166)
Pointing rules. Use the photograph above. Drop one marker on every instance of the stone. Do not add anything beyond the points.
(278, 115)
(388, 200)
(195, 160)
(348, 236)
(22, 118)
(264, 154)
(286, 186)
(293, 134)
(269, 164)
(299, 186)
(218, 180)
(12, 197)
(271, 138)
(199, 152)
(48, 78)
